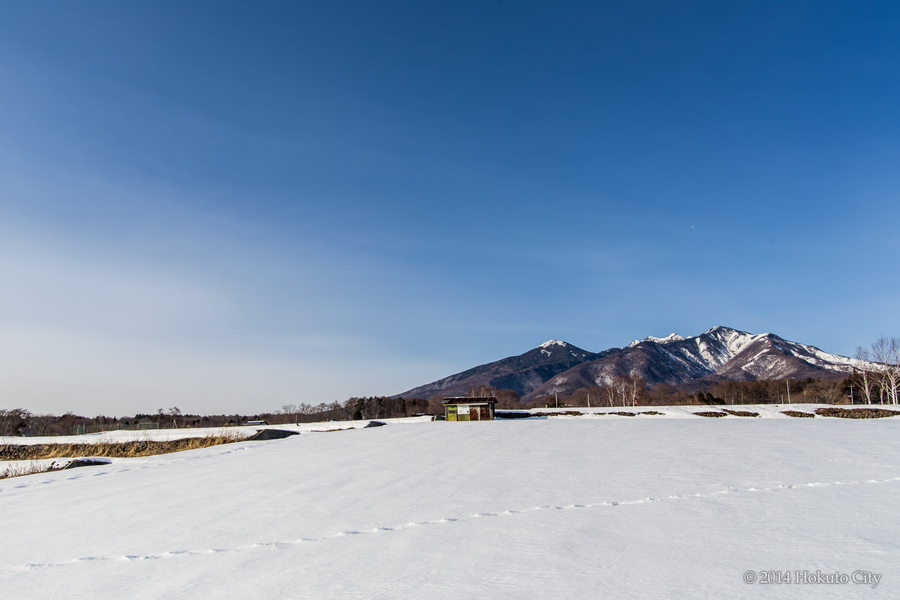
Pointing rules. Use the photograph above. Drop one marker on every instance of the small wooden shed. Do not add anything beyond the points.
(469, 409)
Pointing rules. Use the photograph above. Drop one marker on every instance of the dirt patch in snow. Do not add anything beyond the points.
(857, 413)
(740, 413)
(508, 414)
(799, 414)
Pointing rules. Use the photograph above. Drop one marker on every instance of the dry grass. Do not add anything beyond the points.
(112, 450)
(509, 414)
(799, 414)
(29, 469)
(557, 413)
(710, 413)
(740, 413)
(857, 413)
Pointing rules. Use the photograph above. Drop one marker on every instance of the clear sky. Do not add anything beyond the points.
(231, 206)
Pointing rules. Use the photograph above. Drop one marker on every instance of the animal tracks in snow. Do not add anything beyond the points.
(281, 545)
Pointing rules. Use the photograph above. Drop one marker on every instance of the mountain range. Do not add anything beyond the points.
(691, 363)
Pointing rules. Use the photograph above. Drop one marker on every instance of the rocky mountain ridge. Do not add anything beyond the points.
(719, 354)
(523, 373)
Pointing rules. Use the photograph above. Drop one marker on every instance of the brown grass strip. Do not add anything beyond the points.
(509, 414)
(799, 414)
(111, 450)
(740, 413)
(857, 413)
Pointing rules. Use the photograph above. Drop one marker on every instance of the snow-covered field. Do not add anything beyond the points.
(583, 507)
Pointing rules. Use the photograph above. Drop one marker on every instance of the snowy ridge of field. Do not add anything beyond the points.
(597, 507)
(162, 435)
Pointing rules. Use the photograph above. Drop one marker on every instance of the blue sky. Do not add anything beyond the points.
(229, 206)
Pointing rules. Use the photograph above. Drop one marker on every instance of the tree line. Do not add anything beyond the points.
(627, 391)
(878, 378)
(18, 421)
(875, 380)
(624, 391)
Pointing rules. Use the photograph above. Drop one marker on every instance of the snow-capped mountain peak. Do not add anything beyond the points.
(721, 353)
(732, 339)
(672, 337)
(551, 343)
(548, 347)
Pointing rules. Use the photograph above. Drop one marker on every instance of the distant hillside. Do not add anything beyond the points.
(524, 373)
(720, 354)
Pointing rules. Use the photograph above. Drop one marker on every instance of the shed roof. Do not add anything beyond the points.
(470, 400)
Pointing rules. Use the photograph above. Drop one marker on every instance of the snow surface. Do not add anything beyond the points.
(585, 507)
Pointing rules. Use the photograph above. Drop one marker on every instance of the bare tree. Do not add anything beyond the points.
(12, 420)
(629, 388)
(830, 392)
(886, 352)
(507, 399)
(862, 377)
(637, 389)
(621, 384)
(436, 405)
(609, 394)
(290, 410)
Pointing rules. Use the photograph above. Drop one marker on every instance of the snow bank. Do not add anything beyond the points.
(164, 435)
